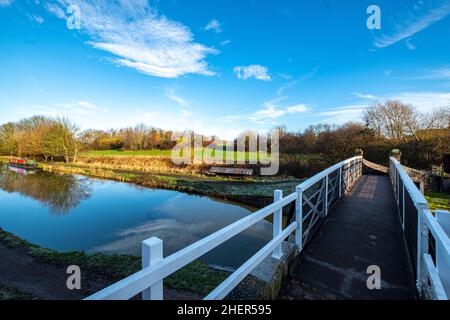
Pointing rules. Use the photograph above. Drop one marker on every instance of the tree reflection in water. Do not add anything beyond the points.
(59, 192)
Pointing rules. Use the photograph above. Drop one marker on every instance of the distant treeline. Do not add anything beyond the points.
(140, 137)
(423, 138)
(41, 137)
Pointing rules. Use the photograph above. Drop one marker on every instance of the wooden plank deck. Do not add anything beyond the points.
(364, 230)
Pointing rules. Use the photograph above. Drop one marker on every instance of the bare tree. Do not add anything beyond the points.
(393, 119)
(439, 118)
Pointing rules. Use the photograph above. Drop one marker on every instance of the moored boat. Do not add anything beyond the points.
(22, 163)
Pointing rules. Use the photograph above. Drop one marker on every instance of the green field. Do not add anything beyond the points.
(150, 153)
(168, 153)
(440, 201)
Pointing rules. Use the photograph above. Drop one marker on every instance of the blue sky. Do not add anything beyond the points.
(220, 66)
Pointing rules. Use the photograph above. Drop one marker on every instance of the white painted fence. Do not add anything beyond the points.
(432, 269)
(334, 181)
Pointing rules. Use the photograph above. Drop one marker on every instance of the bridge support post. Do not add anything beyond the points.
(299, 219)
(397, 154)
(277, 224)
(152, 252)
(326, 195)
(422, 247)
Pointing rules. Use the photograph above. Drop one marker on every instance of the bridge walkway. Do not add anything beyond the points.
(364, 230)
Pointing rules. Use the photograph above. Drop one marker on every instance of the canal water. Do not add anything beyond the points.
(68, 212)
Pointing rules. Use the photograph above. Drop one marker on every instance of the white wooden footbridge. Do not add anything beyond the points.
(344, 221)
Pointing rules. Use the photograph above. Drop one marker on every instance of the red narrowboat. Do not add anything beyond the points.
(22, 163)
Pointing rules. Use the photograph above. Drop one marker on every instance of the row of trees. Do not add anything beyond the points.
(398, 121)
(423, 138)
(140, 137)
(59, 138)
(41, 137)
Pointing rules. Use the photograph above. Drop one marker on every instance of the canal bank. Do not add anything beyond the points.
(193, 281)
(29, 272)
(254, 192)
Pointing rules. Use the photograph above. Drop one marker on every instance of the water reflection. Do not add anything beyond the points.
(105, 216)
(59, 192)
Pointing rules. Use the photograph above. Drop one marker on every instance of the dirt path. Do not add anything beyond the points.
(18, 270)
(23, 273)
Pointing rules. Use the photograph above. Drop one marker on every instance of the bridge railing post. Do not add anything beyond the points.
(340, 182)
(299, 219)
(277, 224)
(422, 247)
(403, 207)
(326, 195)
(361, 164)
(152, 252)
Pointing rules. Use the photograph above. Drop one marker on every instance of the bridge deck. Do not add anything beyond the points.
(364, 230)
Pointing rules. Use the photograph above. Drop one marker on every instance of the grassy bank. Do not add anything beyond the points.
(438, 201)
(7, 293)
(196, 277)
(159, 161)
(199, 153)
(255, 192)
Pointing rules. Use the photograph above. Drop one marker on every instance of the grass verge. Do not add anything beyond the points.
(253, 192)
(7, 293)
(196, 277)
(438, 201)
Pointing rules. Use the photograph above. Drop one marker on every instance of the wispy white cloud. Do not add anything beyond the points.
(214, 25)
(186, 113)
(56, 10)
(365, 96)
(181, 120)
(342, 114)
(255, 71)
(139, 37)
(415, 22)
(441, 73)
(271, 111)
(298, 108)
(225, 42)
(310, 74)
(5, 3)
(172, 95)
(36, 18)
(70, 109)
(433, 74)
(424, 101)
(292, 83)
(409, 45)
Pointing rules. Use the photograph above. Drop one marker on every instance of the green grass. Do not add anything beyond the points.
(438, 201)
(168, 153)
(196, 277)
(7, 293)
(151, 153)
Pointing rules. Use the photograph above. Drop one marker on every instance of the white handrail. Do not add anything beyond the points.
(155, 272)
(426, 270)
(136, 283)
(314, 179)
(236, 277)
(437, 286)
(416, 196)
(438, 233)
